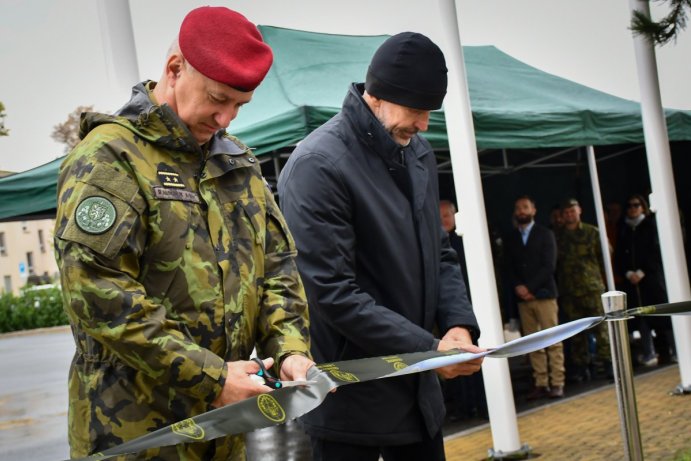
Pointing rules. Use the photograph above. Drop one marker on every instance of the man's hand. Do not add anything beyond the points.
(239, 385)
(524, 293)
(459, 338)
(294, 368)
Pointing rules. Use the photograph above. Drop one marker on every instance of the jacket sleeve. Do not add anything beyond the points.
(547, 253)
(113, 316)
(514, 278)
(283, 318)
(315, 201)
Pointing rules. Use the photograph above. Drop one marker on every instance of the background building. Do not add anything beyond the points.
(26, 254)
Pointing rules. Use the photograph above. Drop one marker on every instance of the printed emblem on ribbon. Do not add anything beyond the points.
(188, 428)
(344, 376)
(95, 215)
(396, 362)
(270, 408)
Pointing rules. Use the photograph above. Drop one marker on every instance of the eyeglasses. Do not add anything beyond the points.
(634, 205)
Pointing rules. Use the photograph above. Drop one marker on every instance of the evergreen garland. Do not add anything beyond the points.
(661, 32)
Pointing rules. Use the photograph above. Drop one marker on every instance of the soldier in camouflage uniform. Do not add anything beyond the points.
(175, 260)
(580, 275)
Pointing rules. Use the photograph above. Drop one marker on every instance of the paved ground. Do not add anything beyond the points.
(33, 395)
(586, 427)
(33, 416)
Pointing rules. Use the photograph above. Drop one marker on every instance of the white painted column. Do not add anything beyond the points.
(663, 198)
(472, 222)
(600, 214)
(119, 51)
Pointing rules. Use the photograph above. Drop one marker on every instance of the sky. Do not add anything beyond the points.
(52, 60)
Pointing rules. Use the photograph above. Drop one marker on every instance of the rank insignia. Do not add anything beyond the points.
(170, 179)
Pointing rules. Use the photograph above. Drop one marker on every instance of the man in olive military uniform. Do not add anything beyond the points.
(175, 260)
(580, 278)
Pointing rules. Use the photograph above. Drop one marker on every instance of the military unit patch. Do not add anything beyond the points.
(95, 215)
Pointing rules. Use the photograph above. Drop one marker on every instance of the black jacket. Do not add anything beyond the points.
(374, 258)
(533, 264)
(639, 248)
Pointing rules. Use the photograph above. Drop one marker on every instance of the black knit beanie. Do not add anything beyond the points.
(408, 69)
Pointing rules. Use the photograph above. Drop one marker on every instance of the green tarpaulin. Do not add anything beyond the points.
(515, 106)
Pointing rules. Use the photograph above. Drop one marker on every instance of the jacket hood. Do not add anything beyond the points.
(156, 124)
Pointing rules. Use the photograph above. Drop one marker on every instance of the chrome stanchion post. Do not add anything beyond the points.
(612, 302)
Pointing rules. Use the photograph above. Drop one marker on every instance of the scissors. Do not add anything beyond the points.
(264, 377)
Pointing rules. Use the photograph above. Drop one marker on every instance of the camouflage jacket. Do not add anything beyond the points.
(174, 259)
(580, 266)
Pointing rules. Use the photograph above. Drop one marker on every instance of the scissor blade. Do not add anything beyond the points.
(297, 383)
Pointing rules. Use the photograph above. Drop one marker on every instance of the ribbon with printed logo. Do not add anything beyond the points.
(282, 405)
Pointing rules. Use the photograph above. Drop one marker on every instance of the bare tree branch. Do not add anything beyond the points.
(68, 131)
(3, 131)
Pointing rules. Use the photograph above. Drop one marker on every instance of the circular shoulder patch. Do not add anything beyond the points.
(95, 215)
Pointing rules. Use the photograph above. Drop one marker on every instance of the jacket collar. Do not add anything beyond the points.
(371, 131)
(160, 125)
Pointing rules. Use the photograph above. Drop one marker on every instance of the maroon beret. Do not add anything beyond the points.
(225, 46)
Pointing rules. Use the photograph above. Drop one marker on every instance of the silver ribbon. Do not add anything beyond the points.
(288, 403)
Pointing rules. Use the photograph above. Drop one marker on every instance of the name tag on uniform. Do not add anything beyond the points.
(181, 195)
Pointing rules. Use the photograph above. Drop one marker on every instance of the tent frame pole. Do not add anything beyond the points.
(468, 184)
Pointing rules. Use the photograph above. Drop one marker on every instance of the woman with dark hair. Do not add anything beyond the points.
(638, 263)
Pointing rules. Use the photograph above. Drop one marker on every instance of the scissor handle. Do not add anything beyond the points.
(269, 380)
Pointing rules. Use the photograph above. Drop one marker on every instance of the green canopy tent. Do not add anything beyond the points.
(515, 106)
(30, 194)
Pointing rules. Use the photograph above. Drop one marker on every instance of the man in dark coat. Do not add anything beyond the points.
(360, 195)
(532, 259)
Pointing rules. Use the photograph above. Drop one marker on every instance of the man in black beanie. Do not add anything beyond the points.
(360, 196)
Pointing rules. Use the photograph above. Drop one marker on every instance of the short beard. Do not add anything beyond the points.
(523, 219)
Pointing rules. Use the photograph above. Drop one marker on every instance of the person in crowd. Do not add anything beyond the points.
(613, 222)
(638, 262)
(532, 259)
(447, 211)
(175, 261)
(613, 218)
(361, 197)
(555, 219)
(464, 395)
(580, 279)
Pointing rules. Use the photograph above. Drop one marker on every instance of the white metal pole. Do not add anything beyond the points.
(472, 222)
(119, 50)
(599, 212)
(664, 198)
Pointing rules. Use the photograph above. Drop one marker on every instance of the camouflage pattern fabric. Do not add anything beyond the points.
(580, 279)
(589, 305)
(580, 268)
(174, 259)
